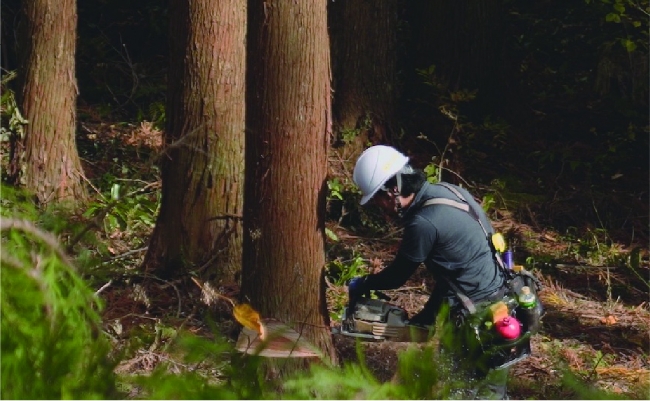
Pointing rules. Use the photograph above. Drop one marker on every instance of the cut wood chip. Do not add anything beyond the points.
(276, 340)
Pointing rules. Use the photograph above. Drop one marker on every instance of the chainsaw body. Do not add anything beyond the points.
(379, 320)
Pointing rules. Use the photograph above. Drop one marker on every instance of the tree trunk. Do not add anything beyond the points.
(364, 37)
(199, 225)
(46, 159)
(287, 139)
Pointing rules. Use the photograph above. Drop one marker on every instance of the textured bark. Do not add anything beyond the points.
(364, 63)
(46, 159)
(287, 139)
(202, 171)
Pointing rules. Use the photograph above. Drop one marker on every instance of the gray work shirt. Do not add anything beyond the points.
(448, 241)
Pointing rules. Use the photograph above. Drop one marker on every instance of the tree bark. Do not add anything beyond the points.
(287, 140)
(199, 225)
(364, 44)
(46, 159)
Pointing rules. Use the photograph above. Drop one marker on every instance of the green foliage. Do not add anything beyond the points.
(13, 121)
(631, 14)
(585, 391)
(423, 375)
(338, 272)
(52, 344)
(351, 381)
(433, 172)
(634, 264)
(15, 202)
(488, 202)
(336, 189)
(347, 135)
(343, 206)
(12, 125)
(594, 247)
(237, 374)
(55, 218)
(156, 114)
(341, 271)
(124, 211)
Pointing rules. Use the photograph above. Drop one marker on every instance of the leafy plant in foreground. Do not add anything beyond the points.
(52, 345)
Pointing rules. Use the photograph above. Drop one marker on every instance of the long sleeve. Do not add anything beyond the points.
(427, 315)
(393, 276)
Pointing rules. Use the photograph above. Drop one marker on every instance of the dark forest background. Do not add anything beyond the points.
(559, 111)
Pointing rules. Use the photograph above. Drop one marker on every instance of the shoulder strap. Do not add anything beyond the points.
(466, 207)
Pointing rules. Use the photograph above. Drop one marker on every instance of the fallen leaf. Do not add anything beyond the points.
(248, 317)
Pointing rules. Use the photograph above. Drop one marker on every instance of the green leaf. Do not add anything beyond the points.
(613, 17)
(121, 221)
(331, 235)
(115, 192)
(628, 44)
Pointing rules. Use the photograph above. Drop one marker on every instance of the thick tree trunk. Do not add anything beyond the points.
(199, 225)
(46, 159)
(287, 139)
(364, 38)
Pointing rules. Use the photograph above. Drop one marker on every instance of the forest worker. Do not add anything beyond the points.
(449, 241)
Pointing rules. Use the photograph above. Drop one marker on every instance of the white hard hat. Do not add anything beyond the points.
(375, 166)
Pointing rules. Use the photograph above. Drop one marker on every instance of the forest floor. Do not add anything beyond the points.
(597, 321)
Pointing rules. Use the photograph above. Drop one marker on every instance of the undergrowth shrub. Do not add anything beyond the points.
(53, 346)
(52, 343)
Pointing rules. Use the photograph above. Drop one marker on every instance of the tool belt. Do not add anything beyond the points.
(478, 341)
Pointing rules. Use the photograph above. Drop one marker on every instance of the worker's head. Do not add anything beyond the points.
(384, 175)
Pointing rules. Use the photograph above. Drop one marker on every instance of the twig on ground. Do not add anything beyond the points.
(103, 287)
(124, 255)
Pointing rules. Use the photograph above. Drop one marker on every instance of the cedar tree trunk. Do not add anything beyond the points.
(46, 159)
(199, 225)
(287, 140)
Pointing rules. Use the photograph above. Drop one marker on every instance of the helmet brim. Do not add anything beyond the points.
(366, 198)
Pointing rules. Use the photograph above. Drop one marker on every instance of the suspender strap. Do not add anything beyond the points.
(467, 303)
(458, 205)
(466, 207)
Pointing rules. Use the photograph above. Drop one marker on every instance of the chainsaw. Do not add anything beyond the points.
(379, 320)
(372, 319)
